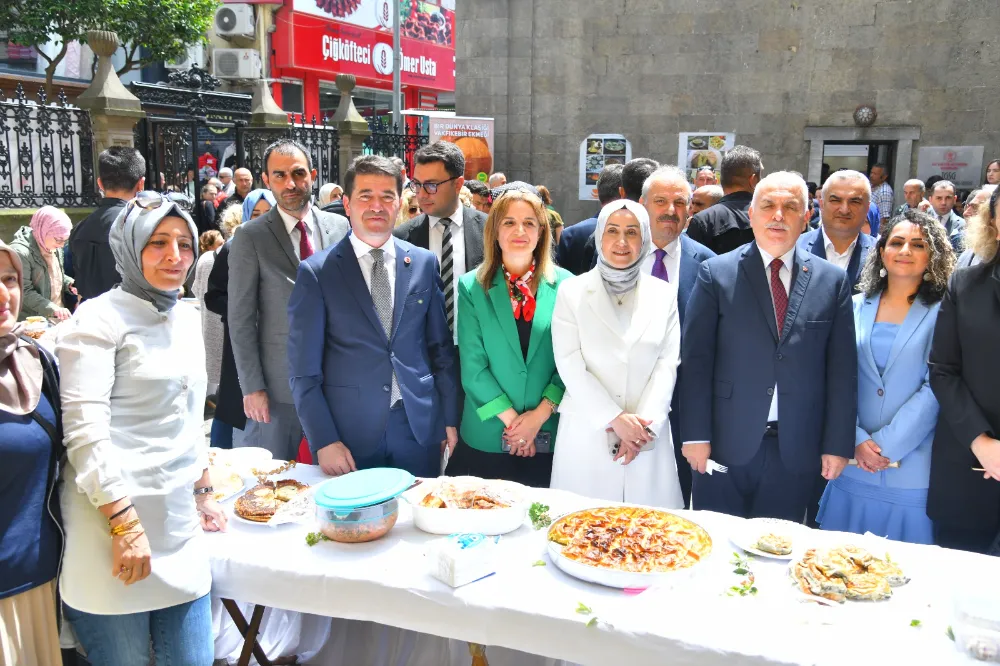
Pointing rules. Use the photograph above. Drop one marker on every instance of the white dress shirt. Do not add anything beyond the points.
(434, 242)
(834, 257)
(362, 251)
(133, 392)
(315, 238)
(672, 260)
(785, 275)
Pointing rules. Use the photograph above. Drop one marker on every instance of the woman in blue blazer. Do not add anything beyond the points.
(902, 285)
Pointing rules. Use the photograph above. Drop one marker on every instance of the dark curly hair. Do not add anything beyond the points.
(939, 265)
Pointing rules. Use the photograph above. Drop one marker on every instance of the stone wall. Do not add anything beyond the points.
(553, 71)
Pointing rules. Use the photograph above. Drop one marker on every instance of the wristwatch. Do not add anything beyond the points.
(204, 491)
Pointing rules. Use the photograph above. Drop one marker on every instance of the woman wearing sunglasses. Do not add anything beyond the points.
(136, 497)
(408, 208)
(39, 246)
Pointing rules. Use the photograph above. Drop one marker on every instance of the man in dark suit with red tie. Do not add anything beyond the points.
(770, 366)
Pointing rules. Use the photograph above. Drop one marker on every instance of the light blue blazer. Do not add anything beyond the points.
(896, 409)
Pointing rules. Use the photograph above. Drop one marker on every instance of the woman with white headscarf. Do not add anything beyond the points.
(616, 337)
(136, 492)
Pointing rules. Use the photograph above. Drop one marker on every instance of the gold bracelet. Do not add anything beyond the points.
(121, 529)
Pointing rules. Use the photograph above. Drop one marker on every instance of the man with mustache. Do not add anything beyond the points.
(844, 202)
(770, 366)
(372, 359)
(263, 261)
(675, 259)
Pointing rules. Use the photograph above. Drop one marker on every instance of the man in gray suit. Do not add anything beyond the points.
(942, 198)
(263, 262)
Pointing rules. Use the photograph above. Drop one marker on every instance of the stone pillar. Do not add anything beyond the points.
(114, 111)
(351, 127)
(264, 111)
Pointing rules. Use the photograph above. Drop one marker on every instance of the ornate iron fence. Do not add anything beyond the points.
(46, 153)
(320, 139)
(390, 140)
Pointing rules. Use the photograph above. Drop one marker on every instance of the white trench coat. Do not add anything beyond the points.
(608, 368)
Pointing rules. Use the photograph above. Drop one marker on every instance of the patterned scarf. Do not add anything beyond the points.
(521, 299)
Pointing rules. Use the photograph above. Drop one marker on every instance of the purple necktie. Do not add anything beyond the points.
(659, 269)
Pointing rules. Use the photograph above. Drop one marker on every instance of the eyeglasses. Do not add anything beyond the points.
(414, 210)
(429, 188)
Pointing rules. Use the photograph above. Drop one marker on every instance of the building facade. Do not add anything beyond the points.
(783, 76)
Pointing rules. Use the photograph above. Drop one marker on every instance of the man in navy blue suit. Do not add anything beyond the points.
(371, 356)
(571, 252)
(770, 366)
(675, 258)
(844, 202)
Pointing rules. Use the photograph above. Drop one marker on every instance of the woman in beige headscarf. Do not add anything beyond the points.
(30, 447)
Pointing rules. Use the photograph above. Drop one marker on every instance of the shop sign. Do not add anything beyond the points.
(335, 47)
(700, 149)
(474, 136)
(596, 152)
(962, 165)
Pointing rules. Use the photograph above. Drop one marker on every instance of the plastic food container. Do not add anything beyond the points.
(362, 524)
(977, 625)
(360, 506)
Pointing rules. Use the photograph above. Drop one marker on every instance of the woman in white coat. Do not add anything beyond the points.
(616, 337)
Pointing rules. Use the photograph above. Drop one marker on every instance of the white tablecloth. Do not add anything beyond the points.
(533, 608)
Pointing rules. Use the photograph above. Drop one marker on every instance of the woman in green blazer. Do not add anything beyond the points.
(509, 373)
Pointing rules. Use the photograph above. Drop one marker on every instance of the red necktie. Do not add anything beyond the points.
(779, 294)
(305, 247)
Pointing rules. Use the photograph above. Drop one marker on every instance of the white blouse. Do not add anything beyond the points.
(133, 394)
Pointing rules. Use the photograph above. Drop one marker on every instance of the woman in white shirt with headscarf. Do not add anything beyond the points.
(136, 492)
(616, 337)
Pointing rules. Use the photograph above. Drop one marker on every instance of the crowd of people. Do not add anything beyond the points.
(758, 346)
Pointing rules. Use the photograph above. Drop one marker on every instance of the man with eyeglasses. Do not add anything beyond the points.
(451, 231)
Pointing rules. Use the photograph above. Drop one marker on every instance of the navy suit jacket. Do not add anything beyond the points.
(341, 360)
(732, 357)
(570, 254)
(812, 241)
(692, 254)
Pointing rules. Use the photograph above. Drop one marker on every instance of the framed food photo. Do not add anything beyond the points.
(596, 152)
(700, 149)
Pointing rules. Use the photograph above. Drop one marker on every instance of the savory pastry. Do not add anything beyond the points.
(631, 539)
(888, 570)
(260, 502)
(465, 496)
(846, 572)
(867, 587)
(775, 544)
(225, 481)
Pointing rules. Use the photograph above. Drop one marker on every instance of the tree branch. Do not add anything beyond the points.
(130, 62)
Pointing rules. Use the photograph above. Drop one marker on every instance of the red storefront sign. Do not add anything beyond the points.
(332, 47)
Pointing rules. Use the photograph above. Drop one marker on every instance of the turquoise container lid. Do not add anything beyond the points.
(363, 488)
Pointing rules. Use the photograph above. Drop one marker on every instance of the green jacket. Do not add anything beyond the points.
(35, 301)
(494, 373)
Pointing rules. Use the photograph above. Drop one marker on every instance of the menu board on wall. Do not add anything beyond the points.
(962, 165)
(475, 138)
(700, 149)
(596, 152)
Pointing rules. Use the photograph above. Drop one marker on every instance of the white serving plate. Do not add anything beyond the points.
(747, 535)
(614, 577)
(451, 521)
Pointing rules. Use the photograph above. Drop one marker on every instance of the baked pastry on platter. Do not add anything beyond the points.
(260, 502)
(846, 572)
(775, 544)
(631, 538)
(465, 496)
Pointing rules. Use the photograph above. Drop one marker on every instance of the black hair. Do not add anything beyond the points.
(634, 175)
(371, 165)
(285, 147)
(120, 168)
(738, 165)
(477, 187)
(608, 183)
(445, 152)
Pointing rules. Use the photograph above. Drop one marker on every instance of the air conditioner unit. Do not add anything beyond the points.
(236, 64)
(194, 56)
(235, 20)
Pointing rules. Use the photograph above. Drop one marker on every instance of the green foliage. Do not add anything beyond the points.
(163, 29)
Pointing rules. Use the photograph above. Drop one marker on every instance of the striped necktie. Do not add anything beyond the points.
(448, 273)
